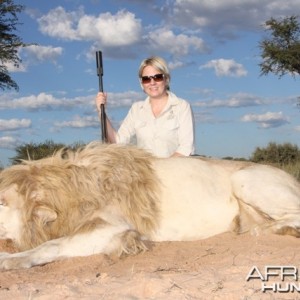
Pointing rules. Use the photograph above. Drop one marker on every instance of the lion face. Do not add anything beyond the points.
(11, 203)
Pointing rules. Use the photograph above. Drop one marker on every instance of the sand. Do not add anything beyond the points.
(214, 268)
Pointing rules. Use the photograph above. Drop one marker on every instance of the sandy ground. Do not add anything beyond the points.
(214, 268)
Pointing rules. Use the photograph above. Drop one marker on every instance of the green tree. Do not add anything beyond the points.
(34, 151)
(281, 51)
(279, 154)
(9, 42)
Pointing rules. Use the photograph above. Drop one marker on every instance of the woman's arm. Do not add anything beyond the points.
(186, 131)
(111, 133)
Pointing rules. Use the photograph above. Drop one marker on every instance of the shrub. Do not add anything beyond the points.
(33, 151)
(277, 154)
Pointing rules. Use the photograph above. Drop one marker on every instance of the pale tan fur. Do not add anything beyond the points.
(111, 198)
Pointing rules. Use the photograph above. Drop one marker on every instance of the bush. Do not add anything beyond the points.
(33, 151)
(285, 156)
(277, 154)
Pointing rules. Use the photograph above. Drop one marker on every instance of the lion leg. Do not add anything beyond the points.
(269, 200)
(248, 219)
(253, 220)
(107, 239)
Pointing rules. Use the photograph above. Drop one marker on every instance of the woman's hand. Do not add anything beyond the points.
(100, 99)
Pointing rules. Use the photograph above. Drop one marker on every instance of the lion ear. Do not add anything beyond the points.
(45, 214)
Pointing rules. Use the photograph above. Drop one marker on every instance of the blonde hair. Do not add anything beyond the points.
(159, 64)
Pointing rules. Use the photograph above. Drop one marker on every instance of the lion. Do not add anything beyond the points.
(112, 199)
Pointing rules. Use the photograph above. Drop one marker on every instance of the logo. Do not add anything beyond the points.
(278, 279)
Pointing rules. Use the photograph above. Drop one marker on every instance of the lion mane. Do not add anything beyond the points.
(62, 193)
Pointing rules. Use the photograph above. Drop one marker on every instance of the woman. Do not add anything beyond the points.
(162, 124)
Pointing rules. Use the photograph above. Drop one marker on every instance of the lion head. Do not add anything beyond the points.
(52, 198)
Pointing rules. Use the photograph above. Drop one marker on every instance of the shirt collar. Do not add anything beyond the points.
(172, 100)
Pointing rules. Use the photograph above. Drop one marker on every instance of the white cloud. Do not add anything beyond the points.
(115, 31)
(36, 102)
(14, 124)
(43, 53)
(267, 120)
(235, 101)
(8, 142)
(109, 30)
(33, 54)
(164, 39)
(225, 67)
(14, 69)
(124, 99)
(43, 101)
(203, 117)
(175, 64)
(244, 100)
(47, 102)
(79, 122)
(59, 23)
(227, 17)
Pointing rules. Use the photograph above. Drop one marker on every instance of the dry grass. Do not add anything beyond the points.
(293, 169)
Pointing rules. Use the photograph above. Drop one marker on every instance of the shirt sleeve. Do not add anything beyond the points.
(186, 133)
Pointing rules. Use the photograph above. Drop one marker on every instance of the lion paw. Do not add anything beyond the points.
(131, 243)
(4, 254)
(10, 262)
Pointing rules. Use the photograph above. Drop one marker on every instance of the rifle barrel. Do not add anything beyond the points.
(102, 108)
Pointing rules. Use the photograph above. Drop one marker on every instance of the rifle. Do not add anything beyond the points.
(103, 115)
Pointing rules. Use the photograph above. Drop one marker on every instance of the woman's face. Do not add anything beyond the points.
(156, 87)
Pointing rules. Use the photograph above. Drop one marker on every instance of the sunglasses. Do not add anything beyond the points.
(156, 78)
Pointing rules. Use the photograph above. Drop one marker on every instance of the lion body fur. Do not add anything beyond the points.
(109, 198)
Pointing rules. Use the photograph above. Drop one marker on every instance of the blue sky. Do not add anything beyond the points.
(211, 48)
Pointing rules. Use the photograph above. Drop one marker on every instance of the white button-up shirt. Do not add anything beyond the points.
(171, 131)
